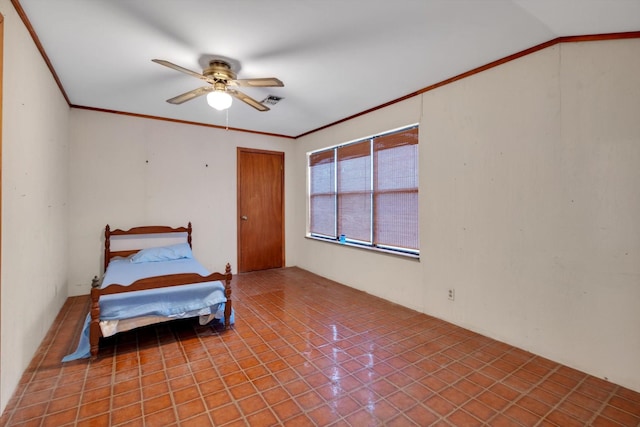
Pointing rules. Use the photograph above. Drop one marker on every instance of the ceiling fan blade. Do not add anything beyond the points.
(248, 100)
(183, 70)
(188, 96)
(263, 82)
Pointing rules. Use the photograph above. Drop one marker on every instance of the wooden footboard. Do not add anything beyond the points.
(148, 283)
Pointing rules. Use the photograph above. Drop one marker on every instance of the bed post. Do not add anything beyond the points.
(189, 234)
(227, 294)
(107, 246)
(94, 325)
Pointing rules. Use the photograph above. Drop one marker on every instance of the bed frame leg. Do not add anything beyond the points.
(94, 325)
(227, 294)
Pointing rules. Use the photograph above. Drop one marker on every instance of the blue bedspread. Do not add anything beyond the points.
(173, 302)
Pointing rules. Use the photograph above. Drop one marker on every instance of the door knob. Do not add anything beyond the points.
(244, 217)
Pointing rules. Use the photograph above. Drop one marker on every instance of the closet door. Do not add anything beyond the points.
(260, 209)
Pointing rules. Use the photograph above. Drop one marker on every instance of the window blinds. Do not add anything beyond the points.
(368, 191)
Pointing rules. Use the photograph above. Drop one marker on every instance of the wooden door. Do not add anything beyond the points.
(260, 209)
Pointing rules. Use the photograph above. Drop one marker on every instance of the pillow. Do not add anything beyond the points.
(163, 253)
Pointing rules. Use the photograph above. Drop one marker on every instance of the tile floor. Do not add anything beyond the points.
(307, 351)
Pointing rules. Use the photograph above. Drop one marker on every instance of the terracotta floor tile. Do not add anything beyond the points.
(190, 409)
(323, 415)
(604, 422)
(286, 375)
(521, 415)
(468, 387)
(563, 419)
(98, 420)
(625, 393)
(224, 414)
(462, 418)
(242, 390)
(433, 383)
(57, 419)
(454, 396)
(362, 418)
(620, 416)
(551, 399)
(418, 391)
(284, 364)
(633, 407)
(235, 379)
(310, 400)
(421, 415)
(493, 401)
(344, 405)
(64, 403)
(157, 404)
(479, 410)
(262, 418)
(501, 420)
(383, 387)
(252, 404)
(265, 383)
(153, 378)
(517, 384)
(185, 394)
(400, 420)
(533, 405)
(217, 399)
(567, 381)
(401, 400)
(155, 390)
(68, 389)
(161, 418)
(125, 399)
(504, 391)
(94, 408)
(576, 411)
(36, 397)
(286, 409)
(126, 386)
(127, 413)
(92, 395)
(440, 405)
(201, 420)
(27, 413)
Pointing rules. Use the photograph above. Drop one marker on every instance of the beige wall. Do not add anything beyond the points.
(529, 207)
(35, 199)
(127, 171)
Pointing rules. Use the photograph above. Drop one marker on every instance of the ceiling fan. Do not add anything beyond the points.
(220, 77)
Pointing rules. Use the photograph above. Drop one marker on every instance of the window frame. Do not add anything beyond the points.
(320, 158)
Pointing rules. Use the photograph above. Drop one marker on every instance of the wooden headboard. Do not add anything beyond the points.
(149, 229)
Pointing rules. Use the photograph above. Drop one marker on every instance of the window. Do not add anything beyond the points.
(367, 191)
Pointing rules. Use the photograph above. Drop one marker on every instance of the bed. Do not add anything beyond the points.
(151, 285)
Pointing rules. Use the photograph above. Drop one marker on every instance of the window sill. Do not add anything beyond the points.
(366, 248)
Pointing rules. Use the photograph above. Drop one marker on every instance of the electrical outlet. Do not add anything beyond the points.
(452, 294)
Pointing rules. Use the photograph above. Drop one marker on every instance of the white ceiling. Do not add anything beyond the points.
(336, 58)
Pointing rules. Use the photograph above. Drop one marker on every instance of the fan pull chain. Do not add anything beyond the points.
(227, 125)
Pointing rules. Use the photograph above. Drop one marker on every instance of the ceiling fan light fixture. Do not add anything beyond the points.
(219, 100)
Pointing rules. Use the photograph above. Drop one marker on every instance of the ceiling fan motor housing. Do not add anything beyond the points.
(219, 71)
